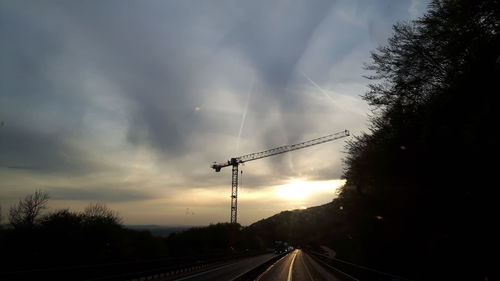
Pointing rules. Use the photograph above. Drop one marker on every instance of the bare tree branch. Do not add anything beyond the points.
(99, 212)
(28, 210)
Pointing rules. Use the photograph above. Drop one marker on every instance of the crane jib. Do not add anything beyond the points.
(278, 150)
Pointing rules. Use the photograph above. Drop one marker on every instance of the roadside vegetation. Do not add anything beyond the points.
(35, 238)
(419, 196)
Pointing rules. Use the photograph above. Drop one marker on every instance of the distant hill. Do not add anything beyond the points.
(314, 225)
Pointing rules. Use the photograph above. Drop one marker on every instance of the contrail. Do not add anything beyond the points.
(245, 113)
(317, 86)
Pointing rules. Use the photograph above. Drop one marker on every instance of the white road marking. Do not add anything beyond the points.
(291, 266)
(263, 273)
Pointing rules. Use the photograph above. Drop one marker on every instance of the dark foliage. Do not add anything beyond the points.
(424, 171)
(64, 238)
(221, 238)
(25, 214)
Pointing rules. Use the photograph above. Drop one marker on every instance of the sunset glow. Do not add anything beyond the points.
(299, 189)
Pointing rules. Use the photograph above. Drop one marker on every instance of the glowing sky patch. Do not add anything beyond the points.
(300, 189)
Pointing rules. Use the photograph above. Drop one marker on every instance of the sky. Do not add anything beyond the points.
(129, 102)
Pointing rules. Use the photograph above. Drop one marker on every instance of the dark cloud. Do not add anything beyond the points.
(275, 35)
(25, 149)
(160, 67)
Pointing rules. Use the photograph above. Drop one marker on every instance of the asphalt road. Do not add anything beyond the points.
(296, 266)
(229, 271)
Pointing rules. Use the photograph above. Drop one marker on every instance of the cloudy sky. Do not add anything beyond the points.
(129, 102)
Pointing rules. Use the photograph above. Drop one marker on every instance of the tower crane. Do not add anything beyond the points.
(236, 161)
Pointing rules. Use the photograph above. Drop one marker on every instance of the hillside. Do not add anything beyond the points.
(298, 227)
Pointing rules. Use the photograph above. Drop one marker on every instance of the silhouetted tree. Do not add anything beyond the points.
(100, 213)
(422, 173)
(61, 218)
(430, 54)
(28, 210)
(63, 239)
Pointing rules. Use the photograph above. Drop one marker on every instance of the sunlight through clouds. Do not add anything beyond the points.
(298, 189)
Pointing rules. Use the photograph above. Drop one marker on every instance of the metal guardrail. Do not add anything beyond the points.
(162, 272)
(354, 272)
(120, 271)
(254, 273)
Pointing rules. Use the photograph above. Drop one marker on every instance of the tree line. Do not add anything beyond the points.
(419, 197)
(34, 238)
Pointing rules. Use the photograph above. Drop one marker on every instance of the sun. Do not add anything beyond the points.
(299, 189)
(294, 190)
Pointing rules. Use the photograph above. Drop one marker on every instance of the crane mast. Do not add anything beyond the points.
(236, 161)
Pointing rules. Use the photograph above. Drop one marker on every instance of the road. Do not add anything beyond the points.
(296, 266)
(229, 271)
